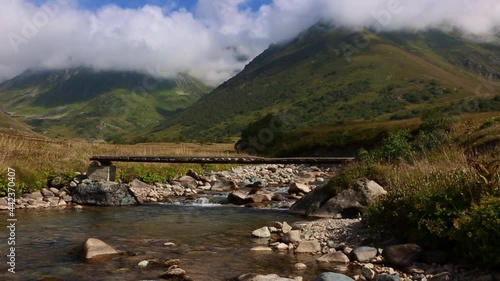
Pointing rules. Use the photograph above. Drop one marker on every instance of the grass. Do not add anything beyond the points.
(37, 158)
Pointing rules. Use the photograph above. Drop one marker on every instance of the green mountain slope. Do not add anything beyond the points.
(335, 75)
(95, 104)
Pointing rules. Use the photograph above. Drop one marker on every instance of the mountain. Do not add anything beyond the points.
(82, 102)
(336, 75)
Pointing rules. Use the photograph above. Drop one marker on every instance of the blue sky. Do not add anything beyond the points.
(133, 4)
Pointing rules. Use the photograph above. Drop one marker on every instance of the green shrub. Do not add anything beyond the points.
(423, 209)
(478, 232)
(396, 147)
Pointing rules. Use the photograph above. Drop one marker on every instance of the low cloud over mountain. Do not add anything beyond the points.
(212, 40)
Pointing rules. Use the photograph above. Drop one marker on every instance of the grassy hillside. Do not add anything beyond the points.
(95, 104)
(397, 75)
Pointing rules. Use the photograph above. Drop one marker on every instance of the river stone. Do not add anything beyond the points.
(368, 272)
(262, 232)
(297, 187)
(402, 255)
(300, 266)
(291, 237)
(443, 276)
(258, 277)
(310, 246)
(369, 189)
(187, 181)
(103, 194)
(364, 254)
(94, 247)
(237, 198)
(335, 258)
(143, 264)
(140, 190)
(282, 247)
(46, 193)
(330, 276)
(261, 249)
(54, 190)
(173, 272)
(312, 201)
(286, 227)
(388, 277)
(225, 185)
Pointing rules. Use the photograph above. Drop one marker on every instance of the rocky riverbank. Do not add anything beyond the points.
(265, 186)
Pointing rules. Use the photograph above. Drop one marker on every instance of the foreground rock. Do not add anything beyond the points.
(402, 255)
(330, 276)
(103, 194)
(323, 201)
(258, 277)
(93, 248)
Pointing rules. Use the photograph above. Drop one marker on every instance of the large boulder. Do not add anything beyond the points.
(237, 197)
(297, 187)
(188, 182)
(330, 276)
(309, 247)
(262, 232)
(364, 254)
(94, 247)
(103, 193)
(402, 255)
(312, 201)
(350, 202)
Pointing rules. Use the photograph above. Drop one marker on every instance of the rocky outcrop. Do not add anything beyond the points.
(94, 248)
(103, 194)
(323, 202)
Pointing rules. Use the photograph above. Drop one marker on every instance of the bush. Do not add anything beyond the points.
(423, 209)
(478, 232)
(396, 147)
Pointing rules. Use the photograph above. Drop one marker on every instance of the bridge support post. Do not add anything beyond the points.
(105, 171)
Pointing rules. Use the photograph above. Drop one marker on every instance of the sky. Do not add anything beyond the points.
(205, 38)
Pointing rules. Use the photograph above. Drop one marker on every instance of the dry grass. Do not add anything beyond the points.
(35, 157)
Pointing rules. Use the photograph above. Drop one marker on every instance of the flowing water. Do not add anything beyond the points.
(213, 242)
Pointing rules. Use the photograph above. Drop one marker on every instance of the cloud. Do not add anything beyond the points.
(207, 42)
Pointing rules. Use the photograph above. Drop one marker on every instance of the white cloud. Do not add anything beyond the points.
(202, 42)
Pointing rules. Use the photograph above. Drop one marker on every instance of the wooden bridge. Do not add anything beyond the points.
(107, 160)
(102, 167)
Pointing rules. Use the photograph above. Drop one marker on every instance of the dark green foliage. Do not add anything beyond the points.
(478, 230)
(423, 209)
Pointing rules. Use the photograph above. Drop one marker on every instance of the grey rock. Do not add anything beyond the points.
(278, 197)
(370, 190)
(312, 201)
(173, 272)
(388, 277)
(300, 266)
(419, 277)
(364, 254)
(188, 182)
(94, 247)
(443, 276)
(262, 232)
(33, 195)
(297, 187)
(259, 277)
(402, 255)
(330, 276)
(46, 193)
(310, 246)
(225, 185)
(291, 236)
(286, 227)
(54, 190)
(103, 194)
(261, 249)
(334, 258)
(367, 272)
(345, 205)
(140, 190)
(237, 197)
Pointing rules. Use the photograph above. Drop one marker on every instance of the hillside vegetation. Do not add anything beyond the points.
(99, 105)
(335, 76)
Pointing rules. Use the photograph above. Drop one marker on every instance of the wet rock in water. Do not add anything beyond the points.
(297, 187)
(103, 194)
(334, 258)
(261, 249)
(173, 272)
(171, 262)
(262, 232)
(143, 264)
(402, 255)
(94, 247)
(311, 246)
(237, 198)
(300, 266)
(364, 254)
(330, 276)
(258, 277)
